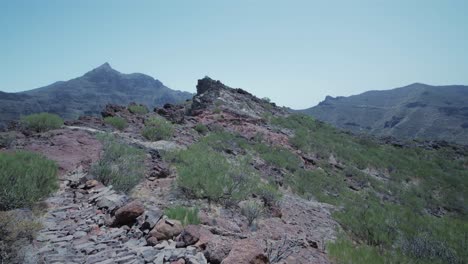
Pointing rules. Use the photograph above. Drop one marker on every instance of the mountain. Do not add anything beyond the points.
(88, 94)
(416, 111)
(227, 178)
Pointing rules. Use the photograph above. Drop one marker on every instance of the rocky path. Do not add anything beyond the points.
(76, 231)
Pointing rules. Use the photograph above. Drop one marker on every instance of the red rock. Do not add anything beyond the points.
(189, 236)
(128, 213)
(246, 251)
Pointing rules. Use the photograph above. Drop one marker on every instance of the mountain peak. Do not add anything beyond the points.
(105, 66)
(104, 69)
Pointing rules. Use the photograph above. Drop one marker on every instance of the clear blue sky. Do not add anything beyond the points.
(295, 52)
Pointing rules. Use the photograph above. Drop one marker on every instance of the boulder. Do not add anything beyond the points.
(166, 229)
(128, 213)
(189, 236)
(246, 251)
(149, 218)
(215, 248)
(111, 201)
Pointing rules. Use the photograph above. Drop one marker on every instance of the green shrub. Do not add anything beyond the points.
(200, 128)
(278, 156)
(16, 232)
(317, 184)
(116, 121)
(157, 129)
(41, 122)
(343, 251)
(205, 173)
(269, 194)
(188, 216)
(121, 166)
(7, 139)
(138, 109)
(25, 178)
(251, 210)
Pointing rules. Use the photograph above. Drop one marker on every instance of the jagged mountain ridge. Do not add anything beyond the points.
(416, 111)
(88, 94)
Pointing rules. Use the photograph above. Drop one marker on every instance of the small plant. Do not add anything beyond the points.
(7, 139)
(121, 166)
(15, 233)
(116, 121)
(41, 122)
(251, 210)
(25, 178)
(157, 129)
(186, 215)
(269, 194)
(200, 128)
(281, 250)
(138, 109)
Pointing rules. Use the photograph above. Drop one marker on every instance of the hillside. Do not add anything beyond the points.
(88, 94)
(417, 111)
(227, 178)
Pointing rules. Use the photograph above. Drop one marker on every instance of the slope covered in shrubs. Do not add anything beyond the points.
(25, 178)
(412, 210)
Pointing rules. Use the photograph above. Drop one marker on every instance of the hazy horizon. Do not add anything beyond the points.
(295, 53)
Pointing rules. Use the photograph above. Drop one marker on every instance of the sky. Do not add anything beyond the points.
(294, 52)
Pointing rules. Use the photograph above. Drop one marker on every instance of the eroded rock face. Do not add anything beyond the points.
(246, 251)
(128, 213)
(214, 95)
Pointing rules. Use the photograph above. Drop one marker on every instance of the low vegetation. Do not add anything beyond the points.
(25, 178)
(41, 122)
(186, 215)
(121, 165)
(252, 210)
(200, 128)
(157, 129)
(16, 231)
(206, 173)
(138, 109)
(7, 139)
(117, 122)
(415, 212)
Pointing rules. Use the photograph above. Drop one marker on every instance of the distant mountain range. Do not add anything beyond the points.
(414, 111)
(88, 94)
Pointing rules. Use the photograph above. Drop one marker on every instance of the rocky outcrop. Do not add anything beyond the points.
(215, 96)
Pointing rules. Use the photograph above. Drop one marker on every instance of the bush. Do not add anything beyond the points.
(7, 139)
(15, 232)
(121, 166)
(138, 109)
(116, 121)
(200, 128)
(424, 248)
(251, 210)
(157, 129)
(188, 216)
(269, 194)
(278, 156)
(25, 178)
(204, 173)
(41, 122)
